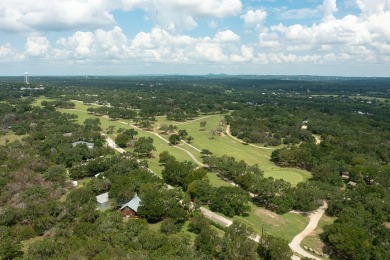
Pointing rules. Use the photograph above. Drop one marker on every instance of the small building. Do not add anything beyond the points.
(68, 134)
(352, 184)
(102, 201)
(344, 175)
(129, 210)
(89, 145)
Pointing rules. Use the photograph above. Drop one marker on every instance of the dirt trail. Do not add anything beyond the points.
(314, 217)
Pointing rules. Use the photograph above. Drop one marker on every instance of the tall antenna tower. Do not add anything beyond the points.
(26, 81)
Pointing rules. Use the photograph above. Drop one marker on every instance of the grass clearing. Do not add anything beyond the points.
(9, 137)
(37, 102)
(285, 226)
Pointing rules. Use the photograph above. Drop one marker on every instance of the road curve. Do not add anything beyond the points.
(314, 217)
(240, 141)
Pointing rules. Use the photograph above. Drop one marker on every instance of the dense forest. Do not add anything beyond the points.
(337, 129)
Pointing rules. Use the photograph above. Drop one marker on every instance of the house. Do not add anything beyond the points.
(102, 201)
(130, 209)
(89, 145)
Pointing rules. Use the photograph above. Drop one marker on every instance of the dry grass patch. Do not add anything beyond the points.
(269, 217)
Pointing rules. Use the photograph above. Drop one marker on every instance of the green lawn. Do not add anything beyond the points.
(221, 145)
(284, 226)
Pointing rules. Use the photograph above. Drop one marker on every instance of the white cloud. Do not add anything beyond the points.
(101, 44)
(60, 15)
(329, 7)
(254, 17)
(37, 46)
(246, 55)
(327, 10)
(227, 36)
(369, 7)
(209, 8)
(54, 15)
(7, 53)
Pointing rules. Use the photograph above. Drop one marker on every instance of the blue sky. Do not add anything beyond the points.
(130, 37)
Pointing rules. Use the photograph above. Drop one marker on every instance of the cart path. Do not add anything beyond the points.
(240, 141)
(166, 141)
(314, 217)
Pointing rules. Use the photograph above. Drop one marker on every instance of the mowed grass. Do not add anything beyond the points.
(285, 226)
(225, 145)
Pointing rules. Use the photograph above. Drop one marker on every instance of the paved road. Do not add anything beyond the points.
(216, 218)
(112, 144)
(295, 243)
(314, 217)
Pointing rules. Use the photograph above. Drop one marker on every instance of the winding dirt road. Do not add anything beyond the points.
(314, 217)
(294, 244)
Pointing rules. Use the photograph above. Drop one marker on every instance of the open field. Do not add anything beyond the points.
(284, 226)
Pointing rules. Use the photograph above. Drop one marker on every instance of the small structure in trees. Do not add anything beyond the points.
(344, 175)
(89, 145)
(129, 210)
(102, 201)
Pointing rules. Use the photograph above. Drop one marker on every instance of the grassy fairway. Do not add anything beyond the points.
(221, 145)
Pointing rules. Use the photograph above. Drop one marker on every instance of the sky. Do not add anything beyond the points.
(192, 37)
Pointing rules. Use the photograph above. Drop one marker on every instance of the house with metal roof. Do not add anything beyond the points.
(130, 209)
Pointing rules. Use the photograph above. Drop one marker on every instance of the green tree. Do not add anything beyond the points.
(236, 243)
(165, 157)
(56, 173)
(182, 133)
(236, 205)
(203, 124)
(174, 139)
(144, 146)
(271, 247)
(9, 248)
